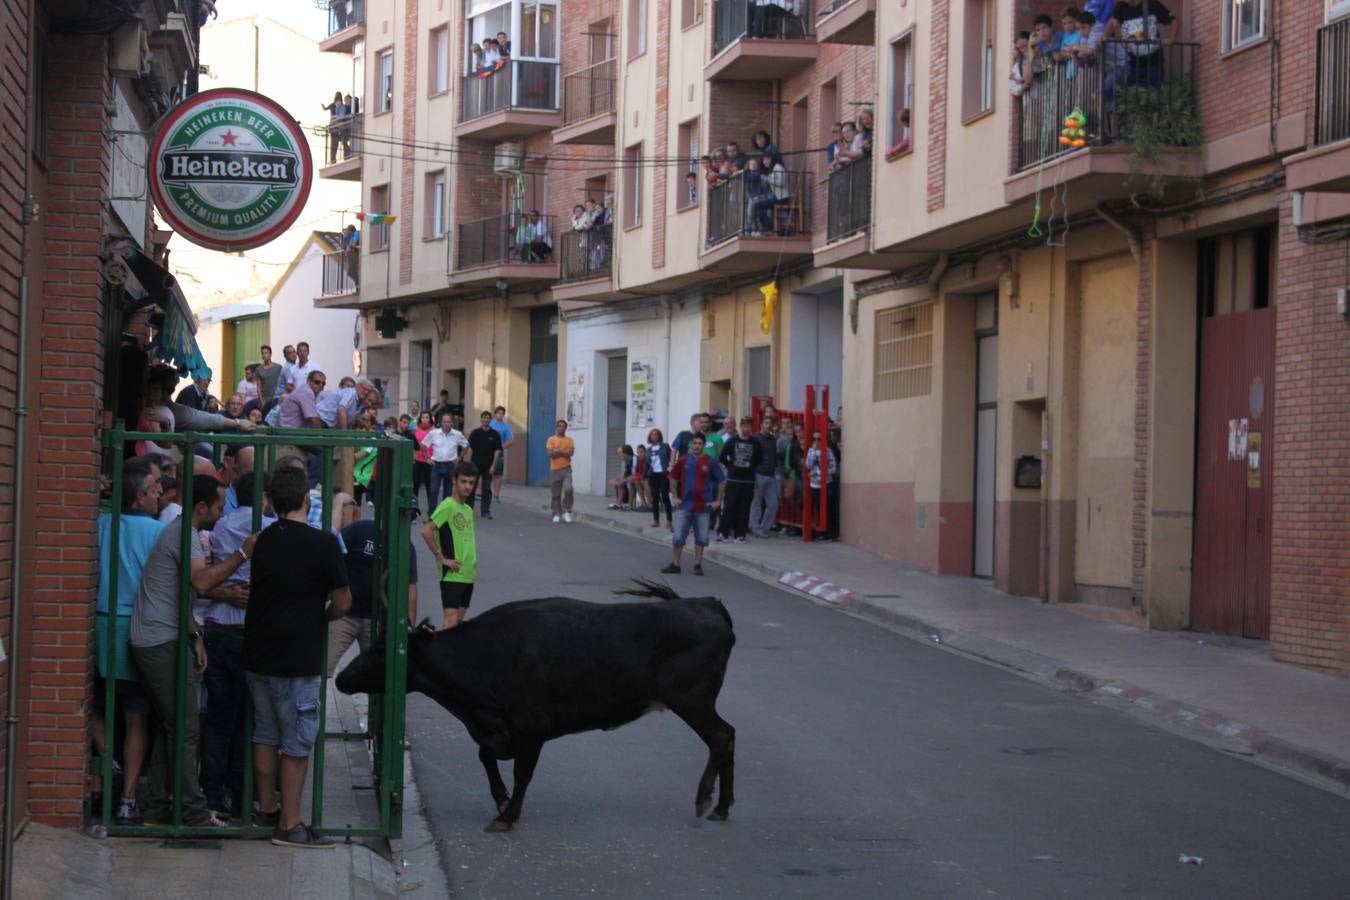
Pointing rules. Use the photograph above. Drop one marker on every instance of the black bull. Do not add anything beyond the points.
(524, 673)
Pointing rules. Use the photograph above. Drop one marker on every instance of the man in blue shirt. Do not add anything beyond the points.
(699, 483)
(499, 425)
(359, 538)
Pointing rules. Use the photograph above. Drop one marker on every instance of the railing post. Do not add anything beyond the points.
(110, 617)
(188, 534)
(808, 419)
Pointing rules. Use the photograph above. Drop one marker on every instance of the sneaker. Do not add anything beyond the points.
(487, 515)
(128, 813)
(671, 569)
(212, 820)
(557, 519)
(721, 539)
(740, 540)
(303, 837)
(698, 568)
(567, 517)
(615, 506)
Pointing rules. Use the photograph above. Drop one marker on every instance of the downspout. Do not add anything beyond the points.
(1131, 233)
(935, 276)
(16, 541)
(669, 304)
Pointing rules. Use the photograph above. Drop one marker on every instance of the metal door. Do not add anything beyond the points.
(986, 458)
(616, 416)
(542, 420)
(1230, 579)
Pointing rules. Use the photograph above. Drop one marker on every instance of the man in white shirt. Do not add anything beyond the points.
(303, 366)
(340, 408)
(447, 445)
(286, 382)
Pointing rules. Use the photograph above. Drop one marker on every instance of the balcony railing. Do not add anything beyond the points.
(344, 138)
(343, 14)
(850, 199)
(777, 19)
(341, 272)
(1126, 79)
(749, 204)
(509, 238)
(1333, 82)
(585, 254)
(520, 84)
(588, 92)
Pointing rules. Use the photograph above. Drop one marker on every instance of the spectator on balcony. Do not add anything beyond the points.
(1045, 43)
(850, 148)
(764, 146)
(503, 45)
(775, 191)
(536, 244)
(476, 58)
(1067, 36)
(1023, 64)
(756, 193)
(737, 158)
(1082, 49)
(602, 230)
(865, 123)
(691, 188)
(719, 168)
(337, 117)
(902, 144)
(1143, 39)
(341, 14)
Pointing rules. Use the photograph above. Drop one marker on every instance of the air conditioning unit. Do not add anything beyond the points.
(508, 158)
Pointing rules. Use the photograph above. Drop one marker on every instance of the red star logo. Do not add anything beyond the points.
(228, 138)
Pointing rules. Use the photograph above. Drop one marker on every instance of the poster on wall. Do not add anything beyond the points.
(577, 384)
(642, 393)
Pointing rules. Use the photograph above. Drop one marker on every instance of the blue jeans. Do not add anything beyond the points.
(223, 737)
(685, 520)
(442, 482)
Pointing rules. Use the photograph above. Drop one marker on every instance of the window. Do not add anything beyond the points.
(434, 225)
(637, 28)
(1244, 22)
(977, 64)
(829, 109)
(902, 357)
(632, 187)
(438, 61)
(379, 203)
(691, 12)
(384, 87)
(538, 30)
(1337, 8)
(902, 93)
(688, 149)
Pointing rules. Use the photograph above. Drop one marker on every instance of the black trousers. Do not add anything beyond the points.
(736, 512)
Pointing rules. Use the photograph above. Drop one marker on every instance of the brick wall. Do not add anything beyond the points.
(58, 666)
(13, 163)
(1310, 590)
(407, 166)
(939, 25)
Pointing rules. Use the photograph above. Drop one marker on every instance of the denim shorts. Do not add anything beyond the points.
(686, 520)
(285, 712)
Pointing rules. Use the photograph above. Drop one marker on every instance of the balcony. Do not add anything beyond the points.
(341, 278)
(760, 41)
(588, 106)
(346, 24)
(505, 248)
(176, 38)
(585, 263)
(753, 224)
(520, 98)
(1326, 167)
(847, 22)
(1125, 88)
(342, 144)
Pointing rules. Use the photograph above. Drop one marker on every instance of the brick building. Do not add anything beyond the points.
(79, 269)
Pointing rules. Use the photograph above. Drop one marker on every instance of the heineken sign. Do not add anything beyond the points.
(230, 169)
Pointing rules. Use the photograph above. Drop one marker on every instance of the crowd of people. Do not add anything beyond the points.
(342, 113)
(593, 222)
(488, 57)
(763, 178)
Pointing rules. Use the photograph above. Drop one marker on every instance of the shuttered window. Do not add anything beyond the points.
(902, 360)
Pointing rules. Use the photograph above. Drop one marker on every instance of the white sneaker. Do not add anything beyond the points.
(556, 520)
(567, 517)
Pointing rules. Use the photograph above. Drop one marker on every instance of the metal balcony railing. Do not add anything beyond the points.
(1333, 82)
(343, 14)
(777, 19)
(519, 84)
(507, 238)
(850, 200)
(1158, 75)
(341, 272)
(585, 254)
(750, 204)
(588, 92)
(344, 138)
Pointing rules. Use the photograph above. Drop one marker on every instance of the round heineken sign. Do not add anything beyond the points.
(230, 169)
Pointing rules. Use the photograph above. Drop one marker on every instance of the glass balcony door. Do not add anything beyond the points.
(531, 29)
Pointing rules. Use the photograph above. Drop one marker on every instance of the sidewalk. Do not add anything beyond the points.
(1213, 688)
(62, 863)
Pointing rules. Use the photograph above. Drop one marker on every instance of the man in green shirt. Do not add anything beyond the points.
(449, 534)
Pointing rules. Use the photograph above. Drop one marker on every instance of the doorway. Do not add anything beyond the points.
(542, 416)
(419, 373)
(758, 375)
(616, 416)
(986, 430)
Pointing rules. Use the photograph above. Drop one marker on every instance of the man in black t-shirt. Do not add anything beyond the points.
(359, 539)
(298, 582)
(485, 448)
(741, 456)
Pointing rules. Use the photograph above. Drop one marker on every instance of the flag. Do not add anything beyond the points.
(376, 218)
(770, 292)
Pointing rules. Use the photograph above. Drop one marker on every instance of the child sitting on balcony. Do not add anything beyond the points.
(775, 191)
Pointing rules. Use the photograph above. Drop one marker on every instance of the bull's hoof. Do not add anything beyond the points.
(701, 807)
(498, 826)
(719, 815)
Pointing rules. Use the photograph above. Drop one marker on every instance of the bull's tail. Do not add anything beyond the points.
(648, 588)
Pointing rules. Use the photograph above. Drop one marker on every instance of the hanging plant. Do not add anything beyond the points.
(1158, 120)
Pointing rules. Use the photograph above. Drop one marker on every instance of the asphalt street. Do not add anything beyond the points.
(868, 765)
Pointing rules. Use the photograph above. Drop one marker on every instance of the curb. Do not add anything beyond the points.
(417, 861)
(1191, 721)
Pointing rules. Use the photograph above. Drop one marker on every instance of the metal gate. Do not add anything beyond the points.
(1230, 582)
(385, 731)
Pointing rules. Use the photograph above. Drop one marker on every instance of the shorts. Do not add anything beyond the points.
(130, 695)
(456, 594)
(500, 467)
(685, 520)
(285, 712)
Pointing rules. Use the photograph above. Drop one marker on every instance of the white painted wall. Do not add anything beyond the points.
(641, 331)
(294, 318)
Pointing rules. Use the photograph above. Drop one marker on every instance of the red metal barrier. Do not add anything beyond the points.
(792, 508)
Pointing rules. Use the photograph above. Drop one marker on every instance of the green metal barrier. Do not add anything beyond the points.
(393, 500)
